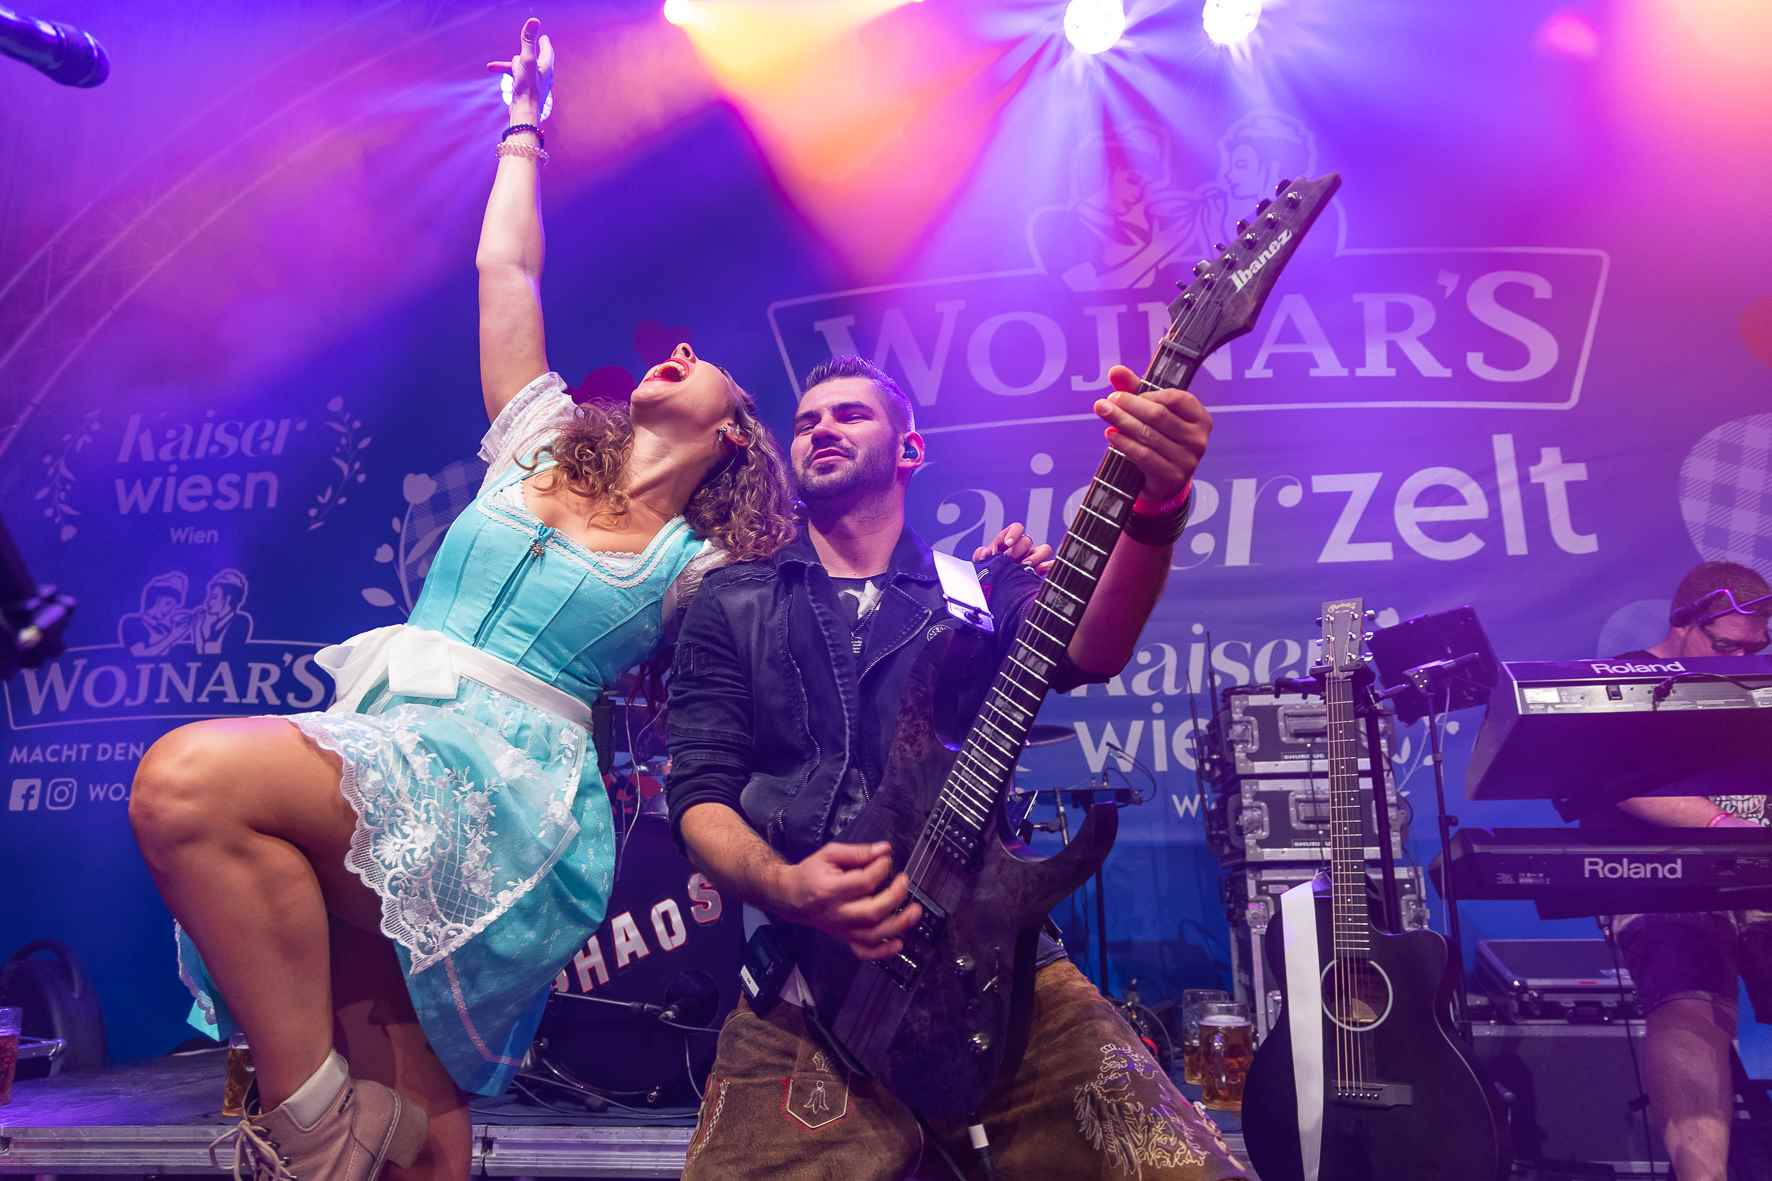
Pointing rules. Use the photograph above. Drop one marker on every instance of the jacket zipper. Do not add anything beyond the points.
(538, 545)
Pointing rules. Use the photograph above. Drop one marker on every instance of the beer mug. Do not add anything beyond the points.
(1193, 1003)
(9, 1031)
(1227, 1047)
(239, 1081)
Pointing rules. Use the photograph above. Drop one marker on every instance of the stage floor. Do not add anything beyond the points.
(159, 1117)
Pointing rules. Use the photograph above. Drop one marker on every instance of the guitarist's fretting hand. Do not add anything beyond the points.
(849, 893)
(1015, 542)
(1163, 432)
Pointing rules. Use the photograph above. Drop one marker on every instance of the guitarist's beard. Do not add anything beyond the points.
(868, 475)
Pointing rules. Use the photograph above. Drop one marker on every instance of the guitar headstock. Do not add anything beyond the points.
(1344, 635)
(1223, 299)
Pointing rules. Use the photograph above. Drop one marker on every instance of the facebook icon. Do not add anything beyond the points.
(26, 795)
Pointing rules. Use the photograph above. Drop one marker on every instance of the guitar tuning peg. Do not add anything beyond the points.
(1201, 267)
(1218, 246)
(1281, 187)
(1262, 204)
(1242, 224)
(1371, 615)
(1293, 199)
(1181, 284)
(1272, 220)
(1249, 241)
(1367, 637)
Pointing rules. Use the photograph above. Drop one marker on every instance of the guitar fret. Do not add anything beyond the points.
(1058, 586)
(984, 721)
(999, 704)
(1060, 559)
(962, 770)
(1008, 754)
(971, 782)
(980, 758)
(1023, 689)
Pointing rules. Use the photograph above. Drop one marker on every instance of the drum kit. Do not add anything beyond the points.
(632, 1017)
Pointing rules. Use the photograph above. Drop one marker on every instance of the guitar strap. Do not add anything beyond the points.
(1304, 1018)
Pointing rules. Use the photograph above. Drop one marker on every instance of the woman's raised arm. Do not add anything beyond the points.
(513, 351)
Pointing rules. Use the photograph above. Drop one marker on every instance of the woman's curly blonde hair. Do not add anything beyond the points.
(744, 505)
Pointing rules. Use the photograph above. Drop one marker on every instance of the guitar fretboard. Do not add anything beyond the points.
(1352, 921)
(968, 801)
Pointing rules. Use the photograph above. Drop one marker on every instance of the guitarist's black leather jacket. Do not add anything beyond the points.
(772, 714)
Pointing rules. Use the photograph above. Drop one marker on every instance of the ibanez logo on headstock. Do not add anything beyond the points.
(1241, 278)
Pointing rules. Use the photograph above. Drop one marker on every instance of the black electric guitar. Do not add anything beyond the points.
(1399, 1097)
(942, 1020)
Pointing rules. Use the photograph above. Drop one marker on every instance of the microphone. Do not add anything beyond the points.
(65, 54)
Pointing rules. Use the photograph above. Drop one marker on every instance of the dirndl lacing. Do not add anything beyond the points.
(419, 662)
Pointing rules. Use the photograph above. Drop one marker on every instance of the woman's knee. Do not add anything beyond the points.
(177, 794)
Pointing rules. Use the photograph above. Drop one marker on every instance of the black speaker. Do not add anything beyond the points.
(1573, 1090)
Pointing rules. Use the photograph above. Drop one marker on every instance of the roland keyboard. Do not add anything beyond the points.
(1588, 733)
(1569, 872)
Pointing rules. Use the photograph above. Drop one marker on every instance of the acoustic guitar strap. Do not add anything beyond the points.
(1304, 1019)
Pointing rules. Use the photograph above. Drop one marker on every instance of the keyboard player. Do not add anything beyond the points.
(1686, 965)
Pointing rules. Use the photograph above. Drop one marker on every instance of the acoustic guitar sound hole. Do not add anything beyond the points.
(1356, 994)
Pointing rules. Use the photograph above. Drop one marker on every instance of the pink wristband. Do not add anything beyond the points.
(1721, 818)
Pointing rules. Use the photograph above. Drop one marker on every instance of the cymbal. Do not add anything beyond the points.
(1049, 734)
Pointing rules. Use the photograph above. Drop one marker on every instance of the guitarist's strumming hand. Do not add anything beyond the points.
(1163, 432)
(850, 893)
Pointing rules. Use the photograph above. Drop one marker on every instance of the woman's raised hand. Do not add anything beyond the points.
(531, 71)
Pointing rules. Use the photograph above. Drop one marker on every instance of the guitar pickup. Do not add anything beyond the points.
(904, 967)
(934, 920)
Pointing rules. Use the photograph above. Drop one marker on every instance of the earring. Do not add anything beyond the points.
(720, 434)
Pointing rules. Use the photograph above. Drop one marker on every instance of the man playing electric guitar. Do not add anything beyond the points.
(783, 705)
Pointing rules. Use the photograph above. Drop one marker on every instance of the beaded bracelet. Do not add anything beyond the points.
(540, 140)
(539, 155)
(1160, 529)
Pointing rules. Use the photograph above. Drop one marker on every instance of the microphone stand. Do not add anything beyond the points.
(1432, 681)
(1367, 706)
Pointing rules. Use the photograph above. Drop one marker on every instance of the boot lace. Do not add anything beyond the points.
(256, 1155)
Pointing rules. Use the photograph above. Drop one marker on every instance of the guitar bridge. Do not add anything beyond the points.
(1376, 1095)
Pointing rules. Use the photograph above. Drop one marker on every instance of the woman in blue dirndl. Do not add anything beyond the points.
(417, 862)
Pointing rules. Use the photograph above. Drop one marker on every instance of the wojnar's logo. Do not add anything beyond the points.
(1491, 327)
(1241, 278)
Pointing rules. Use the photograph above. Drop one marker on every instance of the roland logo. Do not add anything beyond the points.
(1665, 666)
(1627, 868)
(1241, 278)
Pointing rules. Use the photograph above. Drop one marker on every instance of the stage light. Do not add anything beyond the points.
(1094, 26)
(1229, 22)
(679, 12)
(504, 92)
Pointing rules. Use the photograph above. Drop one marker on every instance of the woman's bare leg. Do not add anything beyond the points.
(232, 816)
(379, 1034)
